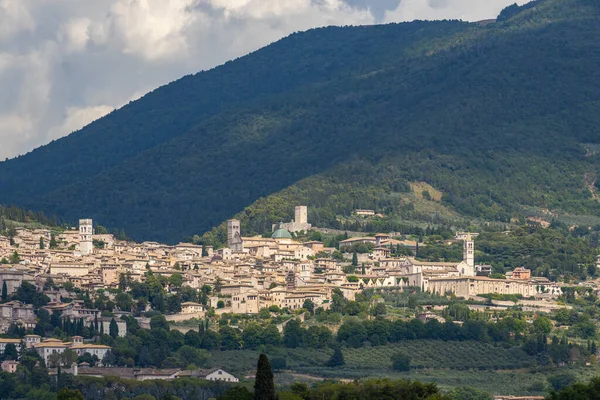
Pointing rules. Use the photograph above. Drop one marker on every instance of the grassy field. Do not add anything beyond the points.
(497, 370)
(425, 354)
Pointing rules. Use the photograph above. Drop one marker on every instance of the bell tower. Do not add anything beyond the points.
(85, 236)
(469, 251)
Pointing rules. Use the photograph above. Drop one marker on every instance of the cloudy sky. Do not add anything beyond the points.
(64, 63)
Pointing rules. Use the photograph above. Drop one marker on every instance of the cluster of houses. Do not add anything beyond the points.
(252, 273)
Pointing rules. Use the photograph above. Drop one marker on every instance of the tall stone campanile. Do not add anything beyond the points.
(469, 251)
(234, 238)
(86, 231)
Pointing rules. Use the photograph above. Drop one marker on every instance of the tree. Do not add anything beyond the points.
(309, 306)
(144, 397)
(542, 325)
(337, 358)
(27, 293)
(271, 335)
(10, 352)
(264, 386)
(252, 336)
(230, 338)
(124, 281)
(175, 281)
(159, 322)
(236, 393)
(124, 301)
(468, 393)
(53, 243)
(15, 258)
(292, 334)
(355, 259)
(218, 285)
(400, 362)
(42, 245)
(68, 357)
(69, 394)
(100, 230)
(378, 309)
(4, 291)
(113, 329)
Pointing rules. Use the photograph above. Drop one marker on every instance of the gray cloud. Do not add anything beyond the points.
(64, 63)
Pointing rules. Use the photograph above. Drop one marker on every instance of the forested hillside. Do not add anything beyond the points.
(500, 118)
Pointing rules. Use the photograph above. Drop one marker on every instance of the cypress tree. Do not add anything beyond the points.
(264, 387)
(354, 259)
(42, 246)
(113, 329)
(4, 291)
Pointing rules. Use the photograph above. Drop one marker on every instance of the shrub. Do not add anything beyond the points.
(400, 362)
(279, 363)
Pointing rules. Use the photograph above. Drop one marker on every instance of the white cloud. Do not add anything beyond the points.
(152, 28)
(64, 63)
(75, 34)
(76, 118)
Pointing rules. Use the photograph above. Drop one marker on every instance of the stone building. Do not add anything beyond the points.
(300, 222)
(13, 278)
(234, 238)
(15, 312)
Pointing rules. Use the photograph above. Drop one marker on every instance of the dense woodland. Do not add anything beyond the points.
(339, 118)
(23, 216)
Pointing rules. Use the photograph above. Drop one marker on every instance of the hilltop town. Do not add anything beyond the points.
(251, 273)
(78, 297)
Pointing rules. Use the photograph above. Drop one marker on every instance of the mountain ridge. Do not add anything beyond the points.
(449, 103)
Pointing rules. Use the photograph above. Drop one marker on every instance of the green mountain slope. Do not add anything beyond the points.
(497, 117)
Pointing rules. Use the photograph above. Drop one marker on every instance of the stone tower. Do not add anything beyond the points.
(301, 215)
(234, 238)
(85, 236)
(469, 251)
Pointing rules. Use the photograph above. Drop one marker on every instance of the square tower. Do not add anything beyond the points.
(301, 215)
(86, 231)
(234, 238)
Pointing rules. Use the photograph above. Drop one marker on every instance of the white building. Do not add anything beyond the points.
(86, 232)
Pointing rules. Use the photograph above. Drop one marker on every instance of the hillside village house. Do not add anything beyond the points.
(50, 347)
(14, 276)
(9, 366)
